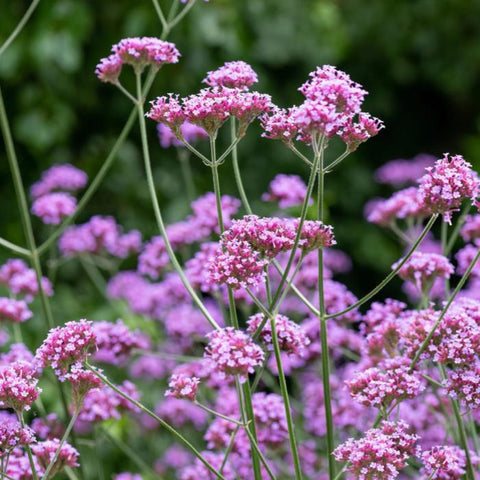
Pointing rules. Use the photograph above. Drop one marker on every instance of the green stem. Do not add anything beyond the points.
(473, 432)
(28, 449)
(60, 445)
(229, 447)
(260, 454)
(461, 430)
(126, 92)
(246, 407)
(444, 237)
(19, 26)
(456, 230)
(14, 248)
(163, 423)
(330, 167)
(180, 16)
(160, 14)
(218, 414)
(236, 168)
(390, 276)
(461, 283)
(323, 327)
(158, 213)
(107, 164)
(187, 174)
(286, 401)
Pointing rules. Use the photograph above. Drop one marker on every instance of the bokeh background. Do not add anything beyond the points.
(419, 60)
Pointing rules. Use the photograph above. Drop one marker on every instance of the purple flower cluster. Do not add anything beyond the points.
(98, 235)
(444, 462)
(18, 386)
(287, 190)
(66, 346)
(233, 352)
(13, 435)
(45, 453)
(189, 132)
(139, 52)
(182, 386)
(380, 454)
(404, 172)
(237, 74)
(12, 310)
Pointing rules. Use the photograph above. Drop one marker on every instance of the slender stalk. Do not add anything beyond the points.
(160, 14)
(126, 92)
(180, 16)
(260, 454)
(163, 423)
(60, 445)
(459, 286)
(187, 173)
(300, 155)
(218, 414)
(330, 167)
(93, 186)
(236, 168)
(245, 406)
(19, 26)
(444, 237)
(390, 276)
(158, 213)
(473, 432)
(14, 248)
(107, 164)
(461, 430)
(286, 401)
(28, 449)
(229, 447)
(323, 327)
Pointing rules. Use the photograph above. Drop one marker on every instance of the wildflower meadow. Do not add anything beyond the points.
(233, 336)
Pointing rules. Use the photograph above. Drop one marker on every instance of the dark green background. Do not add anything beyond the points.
(420, 61)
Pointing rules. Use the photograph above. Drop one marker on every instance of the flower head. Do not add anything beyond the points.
(59, 177)
(52, 208)
(18, 386)
(233, 352)
(182, 386)
(15, 311)
(45, 453)
(237, 74)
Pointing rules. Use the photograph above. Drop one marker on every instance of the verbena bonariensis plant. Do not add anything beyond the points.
(249, 340)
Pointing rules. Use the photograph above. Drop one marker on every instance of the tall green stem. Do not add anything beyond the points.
(286, 401)
(158, 213)
(236, 168)
(163, 423)
(245, 404)
(461, 430)
(60, 445)
(28, 449)
(323, 326)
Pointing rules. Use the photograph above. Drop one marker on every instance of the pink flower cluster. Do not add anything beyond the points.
(139, 52)
(98, 235)
(237, 74)
(115, 342)
(66, 346)
(287, 190)
(404, 172)
(51, 205)
(13, 435)
(196, 228)
(189, 132)
(423, 268)
(233, 352)
(45, 453)
(21, 280)
(464, 384)
(471, 228)
(81, 382)
(332, 101)
(291, 337)
(249, 244)
(15, 311)
(390, 382)
(445, 185)
(18, 386)
(210, 108)
(444, 462)
(380, 454)
(182, 386)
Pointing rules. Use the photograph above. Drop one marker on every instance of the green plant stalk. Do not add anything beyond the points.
(19, 26)
(444, 237)
(323, 326)
(303, 214)
(160, 14)
(246, 405)
(187, 173)
(28, 449)
(461, 430)
(96, 182)
(473, 433)
(158, 213)
(218, 414)
(60, 445)
(260, 454)
(459, 286)
(14, 248)
(456, 230)
(182, 14)
(27, 228)
(163, 423)
(286, 401)
(236, 168)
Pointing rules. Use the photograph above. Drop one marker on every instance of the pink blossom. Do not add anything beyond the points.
(45, 453)
(236, 74)
(402, 172)
(15, 311)
(233, 352)
(287, 190)
(444, 462)
(52, 208)
(59, 177)
(18, 386)
(182, 386)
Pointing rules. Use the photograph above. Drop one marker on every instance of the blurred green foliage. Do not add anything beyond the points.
(420, 61)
